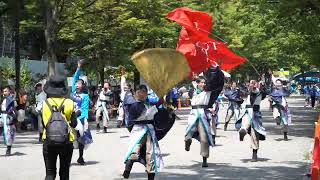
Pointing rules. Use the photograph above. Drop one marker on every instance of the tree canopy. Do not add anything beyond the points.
(269, 33)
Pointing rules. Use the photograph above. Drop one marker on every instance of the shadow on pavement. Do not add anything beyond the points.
(259, 160)
(88, 163)
(14, 154)
(284, 171)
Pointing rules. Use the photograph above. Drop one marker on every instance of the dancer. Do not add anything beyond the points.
(280, 108)
(103, 106)
(7, 124)
(250, 121)
(144, 147)
(200, 116)
(125, 87)
(215, 118)
(235, 101)
(81, 98)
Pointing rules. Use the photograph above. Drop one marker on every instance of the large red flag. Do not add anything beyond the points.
(200, 50)
(197, 23)
(202, 54)
(221, 54)
(197, 60)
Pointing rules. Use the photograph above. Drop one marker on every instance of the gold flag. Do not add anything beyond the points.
(161, 68)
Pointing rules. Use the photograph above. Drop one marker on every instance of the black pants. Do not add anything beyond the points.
(81, 146)
(50, 155)
(313, 101)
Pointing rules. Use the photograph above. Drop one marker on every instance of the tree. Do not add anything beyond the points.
(109, 32)
(12, 9)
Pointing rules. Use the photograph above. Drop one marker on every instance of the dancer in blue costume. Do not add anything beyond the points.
(200, 116)
(250, 120)
(81, 98)
(235, 101)
(7, 126)
(280, 108)
(143, 144)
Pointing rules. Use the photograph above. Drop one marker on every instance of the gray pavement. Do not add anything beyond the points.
(229, 159)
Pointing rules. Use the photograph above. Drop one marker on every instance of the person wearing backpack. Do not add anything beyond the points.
(58, 118)
(81, 97)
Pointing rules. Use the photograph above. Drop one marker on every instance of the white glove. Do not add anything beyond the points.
(79, 127)
(86, 125)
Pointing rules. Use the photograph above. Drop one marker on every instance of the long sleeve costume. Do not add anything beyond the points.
(251, 120)
(81, 99)
(122, 95)
(200, 116)
(233, 95)
(143, 144)
(7, 120)
(280, 107)
(103, 104)
(82, 103)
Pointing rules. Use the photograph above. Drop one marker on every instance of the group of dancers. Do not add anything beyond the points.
(202, 120)
(148, 117)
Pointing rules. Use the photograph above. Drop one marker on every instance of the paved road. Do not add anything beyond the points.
(229, 159)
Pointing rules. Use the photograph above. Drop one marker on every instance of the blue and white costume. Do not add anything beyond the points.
(234, 107)
(281, 112)
(7, 125)
(143, 144)
(250, 119)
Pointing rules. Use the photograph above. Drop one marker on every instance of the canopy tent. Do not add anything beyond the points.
(313, 76)
(307, 74)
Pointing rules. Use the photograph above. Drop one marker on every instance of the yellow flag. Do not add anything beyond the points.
(161, 68)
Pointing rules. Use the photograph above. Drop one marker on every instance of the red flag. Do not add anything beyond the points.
(200, 50)
(196, 59)
(224, 56)
(202, 54)
(197, 23)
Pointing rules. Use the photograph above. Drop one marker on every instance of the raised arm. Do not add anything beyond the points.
(122, 83)
(75, 77)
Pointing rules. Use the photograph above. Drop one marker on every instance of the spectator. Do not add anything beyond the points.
(21, 108)
(56, 90)
(306, 93)
(40, 97)
(313, 94)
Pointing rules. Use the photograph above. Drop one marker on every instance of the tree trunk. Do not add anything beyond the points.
(50, 32)
(17, 51)
(101, 75)
(15, 6)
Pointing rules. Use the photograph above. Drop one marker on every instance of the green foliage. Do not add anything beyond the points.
(7, 70)
(271, 34)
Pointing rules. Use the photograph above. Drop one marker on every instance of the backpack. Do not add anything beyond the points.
(57, 129)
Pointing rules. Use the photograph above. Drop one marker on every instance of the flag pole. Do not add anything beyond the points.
(253, 67)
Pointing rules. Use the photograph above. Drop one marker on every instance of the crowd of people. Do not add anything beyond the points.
(62, 118)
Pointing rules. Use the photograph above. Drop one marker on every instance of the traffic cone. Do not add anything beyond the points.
(316, 153)
(187, 102)
(179, 103)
